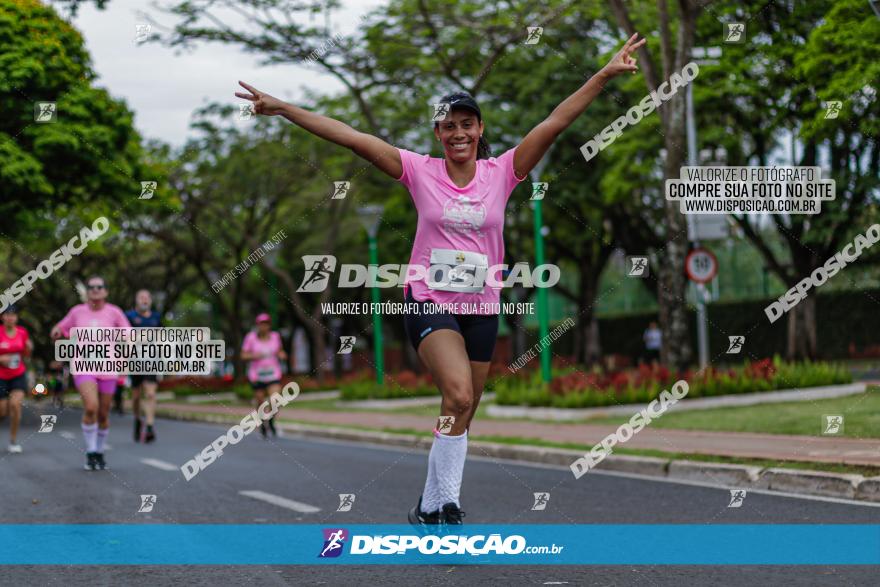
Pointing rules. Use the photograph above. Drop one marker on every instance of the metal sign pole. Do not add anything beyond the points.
(702, 328)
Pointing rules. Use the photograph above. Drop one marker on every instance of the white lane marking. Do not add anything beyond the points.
(160, 464)
(68, 435)
(283, 502)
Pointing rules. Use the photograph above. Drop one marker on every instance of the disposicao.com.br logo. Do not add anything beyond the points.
(465, 272)
(335, 539)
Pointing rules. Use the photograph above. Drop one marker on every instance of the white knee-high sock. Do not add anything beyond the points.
(448, 454)
(101, 437)
(430, 496)
(90, 433)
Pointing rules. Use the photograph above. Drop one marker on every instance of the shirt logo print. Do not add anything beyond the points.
(461, 214)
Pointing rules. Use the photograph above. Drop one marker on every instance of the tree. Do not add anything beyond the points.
(799, 57)
(90, 152)
(675, 53)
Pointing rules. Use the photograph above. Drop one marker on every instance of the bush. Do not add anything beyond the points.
(573, 388)
(397, 385)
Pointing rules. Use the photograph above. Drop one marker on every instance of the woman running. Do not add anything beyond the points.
(96, 389)
(265, 351)
(15, 344)
(460, 200)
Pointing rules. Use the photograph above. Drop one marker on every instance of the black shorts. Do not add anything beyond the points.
(480, 331)
(136, 380)
(16, 383)
(258, 385)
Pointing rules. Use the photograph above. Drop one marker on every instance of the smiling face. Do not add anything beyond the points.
(460, 134)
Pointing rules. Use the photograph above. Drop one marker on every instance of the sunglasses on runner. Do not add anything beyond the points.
(96, 287)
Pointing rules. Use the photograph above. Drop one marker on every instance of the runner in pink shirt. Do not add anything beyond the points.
(460, 200)
(265, 351)
(96, 390)
(15, 346)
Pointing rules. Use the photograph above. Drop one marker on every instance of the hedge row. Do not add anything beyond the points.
(843, 319)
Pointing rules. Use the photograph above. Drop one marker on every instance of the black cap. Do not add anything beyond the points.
(10, 309)
(463, 100)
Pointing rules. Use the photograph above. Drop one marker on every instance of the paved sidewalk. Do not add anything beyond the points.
(823, 449)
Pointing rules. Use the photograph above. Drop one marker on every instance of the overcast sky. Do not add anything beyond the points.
(163, 89)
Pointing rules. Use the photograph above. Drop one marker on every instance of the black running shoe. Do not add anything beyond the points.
(452, 514)
(91, 462)
(419, 518)
(272, 427)
(99, 462)
(137, 429)
(151, 435)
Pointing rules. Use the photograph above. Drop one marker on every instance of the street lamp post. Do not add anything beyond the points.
(370, 216)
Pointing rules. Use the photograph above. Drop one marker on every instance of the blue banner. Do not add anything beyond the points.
(258, 544)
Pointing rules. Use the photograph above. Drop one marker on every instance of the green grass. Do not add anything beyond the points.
(861, 414)
(515, 440)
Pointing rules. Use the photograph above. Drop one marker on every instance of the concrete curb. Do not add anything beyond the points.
(403, 402)
(208, 397)
(811, 482)
(869, 489)
(717, 473)
(382, 404)
(722, 475)
(698, 403)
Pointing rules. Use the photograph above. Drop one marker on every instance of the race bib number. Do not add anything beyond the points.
(457, 271)
(14, 361)
(266, 374)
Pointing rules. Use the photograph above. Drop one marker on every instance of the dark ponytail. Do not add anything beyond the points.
(484, 151)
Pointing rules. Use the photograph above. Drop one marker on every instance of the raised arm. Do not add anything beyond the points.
(62, 329)
(535, 144)
(371, 148)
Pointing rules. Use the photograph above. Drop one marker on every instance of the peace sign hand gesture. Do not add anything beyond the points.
(623, 61)
(263, 103)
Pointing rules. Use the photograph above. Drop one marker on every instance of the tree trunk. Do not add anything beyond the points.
(319, 348)
(588, 349)
(802, 330)
(676, 350)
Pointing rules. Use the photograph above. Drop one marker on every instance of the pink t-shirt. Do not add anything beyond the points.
(82, 316)
(468, 219)
(15, 345)
(268, 368)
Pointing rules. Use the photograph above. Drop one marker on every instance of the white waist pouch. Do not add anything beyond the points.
(457, 271)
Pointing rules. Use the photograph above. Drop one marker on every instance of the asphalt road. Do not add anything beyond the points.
(47, 485)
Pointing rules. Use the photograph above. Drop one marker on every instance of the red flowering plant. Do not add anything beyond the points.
(584, 387)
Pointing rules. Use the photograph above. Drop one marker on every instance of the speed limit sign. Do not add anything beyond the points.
(701, 265)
